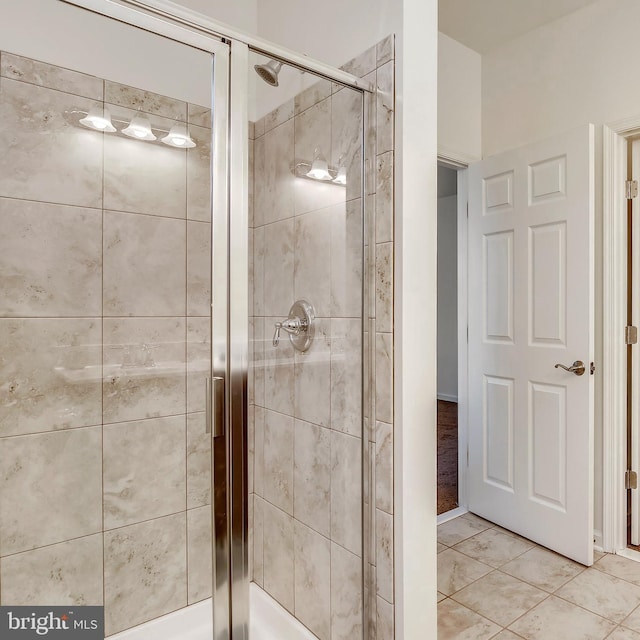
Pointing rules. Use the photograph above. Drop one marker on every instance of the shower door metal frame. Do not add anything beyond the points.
(229, 277)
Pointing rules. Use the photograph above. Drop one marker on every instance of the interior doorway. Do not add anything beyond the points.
(448, 477)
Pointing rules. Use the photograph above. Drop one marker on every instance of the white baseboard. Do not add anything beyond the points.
(597, 541)
(450, 515)
(447, 397)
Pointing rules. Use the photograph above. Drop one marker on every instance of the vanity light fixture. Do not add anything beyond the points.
(98, 119)
(341, 176)
(179, 137)
(139, 128)
(319, 168)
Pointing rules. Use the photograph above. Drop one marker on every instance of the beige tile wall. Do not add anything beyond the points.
(104, 256)
(306, 421)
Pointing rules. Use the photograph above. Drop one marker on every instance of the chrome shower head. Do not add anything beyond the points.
(269, 71)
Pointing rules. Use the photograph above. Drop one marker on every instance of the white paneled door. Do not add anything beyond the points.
(531, 301)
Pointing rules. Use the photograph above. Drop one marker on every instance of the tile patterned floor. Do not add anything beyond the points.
(495, 584)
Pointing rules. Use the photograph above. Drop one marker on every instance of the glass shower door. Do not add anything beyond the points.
(106, 195)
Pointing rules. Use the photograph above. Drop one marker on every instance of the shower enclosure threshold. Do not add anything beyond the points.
(269, 621)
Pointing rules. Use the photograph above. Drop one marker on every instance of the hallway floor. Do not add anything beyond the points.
(495, 584)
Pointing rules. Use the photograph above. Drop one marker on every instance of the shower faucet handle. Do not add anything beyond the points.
(299, 326)
(292, 326)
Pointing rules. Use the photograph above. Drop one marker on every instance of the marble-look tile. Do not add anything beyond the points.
(278, 460)
(505, 634)
(199, 115)
(251, 192)
(199, 175)
(69, 573)
(257, 171)
(50, 76)
(371, 135)
(198, 462)
(258, 128)
(198, 269)
(624, 634)
(278, 116)
(144, 470)
(384, 555)
(312, 270)
(440, 597)
(153, 250)
(279, 384)
(362, 64)
(199, 554)
(274, 193)
(258, 450)
(384, 198)
(460, 529)
(346, 138)
(493, 547)
(145, 571)
(620, 567)
(279, 555)
(456, 571)
(312, 477)
(50, 488)
(555, 618)
(385, 98)
(441, 547)
(258, 541)
(346, 492)
(543, 569)
(598, 555)
(278, 276)
(259, 360)
(50, 370)
(45, 157)
(251, 450)
(601, 593)
(346, 594)
(385, 50)
(312, 401)
(144, 368)
(384, 466)
(133, 98)
(313, 580)
(198, 361)
(385, 623)
(632, 621)
(456, 622)
(346, 375)
(500, 598)
(384, 287)
(384, 377)
(48, 254)
(312, 95)
(313, 135)
(258, 271)
(346, 260)
(144, 178)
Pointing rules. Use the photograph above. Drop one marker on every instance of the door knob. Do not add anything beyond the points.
(577, 367)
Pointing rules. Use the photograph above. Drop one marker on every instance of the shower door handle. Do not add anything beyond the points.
(214, 407)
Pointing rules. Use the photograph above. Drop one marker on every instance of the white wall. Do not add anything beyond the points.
(67, 36)
(448, 298)
(459, 101)
(581, 68)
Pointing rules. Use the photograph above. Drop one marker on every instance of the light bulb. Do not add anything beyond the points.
(139, 128)
(341, 178)
(98, 119)
(179, 137)
(319, 168)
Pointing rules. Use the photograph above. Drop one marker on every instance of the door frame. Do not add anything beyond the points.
(615, 138)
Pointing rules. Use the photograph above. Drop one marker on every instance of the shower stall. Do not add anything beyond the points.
(195, 319)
